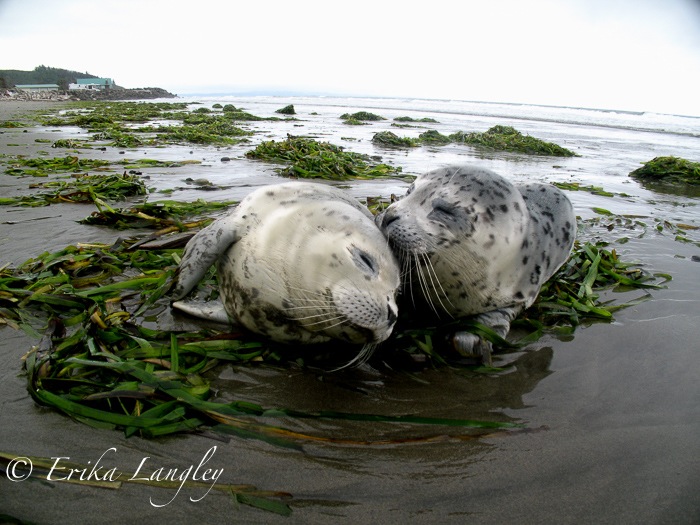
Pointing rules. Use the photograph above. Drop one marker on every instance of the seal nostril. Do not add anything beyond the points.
(391, 317)
(389, 218)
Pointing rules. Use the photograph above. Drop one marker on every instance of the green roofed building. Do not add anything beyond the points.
(37, 87)
(92, 83)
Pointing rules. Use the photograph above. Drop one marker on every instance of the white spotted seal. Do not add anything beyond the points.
(474, 244)
(298, 263)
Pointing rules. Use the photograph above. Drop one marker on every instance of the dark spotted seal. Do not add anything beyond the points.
(474, 244)
(298, 263)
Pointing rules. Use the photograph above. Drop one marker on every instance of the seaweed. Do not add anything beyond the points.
(671, 170)
(387, 138)
(506, 138)
(82, 189)
(308, 158)
(216, 130)
(70, 144)
(411, 119)
(167, 216)
(434, 138)
(106, 120)
(11, 124)
(287, 110)
(39, 167)
(119, 138)
(572, 294)
(595, 190)
(361, 117)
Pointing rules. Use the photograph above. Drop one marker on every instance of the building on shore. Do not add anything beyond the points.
(34, 88)
(92, 83)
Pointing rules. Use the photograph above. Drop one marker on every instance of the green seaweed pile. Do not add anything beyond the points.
(307, 158)
(503, 138)
(506, 138)
(215, 130)
(359, 118)
(81, 186)
(389, 139)
(572, 294)
(81, 189)
(411, 119)
(117, 123)
(168, 216)
(287, 110)
(41, 167)
(434, 138)
(673, 170)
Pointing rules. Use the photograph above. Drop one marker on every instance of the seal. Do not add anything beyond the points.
(297, 262)
(474, 245)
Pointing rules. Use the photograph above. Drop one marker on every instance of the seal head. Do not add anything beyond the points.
(473, 243)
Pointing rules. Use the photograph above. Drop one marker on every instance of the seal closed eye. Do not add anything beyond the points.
(472, 244)
(298, 263)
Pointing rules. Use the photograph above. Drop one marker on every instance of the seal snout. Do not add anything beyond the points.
(389, 216)
(392, 315)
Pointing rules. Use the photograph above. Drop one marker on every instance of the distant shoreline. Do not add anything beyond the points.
(116, 93)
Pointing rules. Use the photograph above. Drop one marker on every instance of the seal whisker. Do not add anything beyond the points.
(410, 263)
(424, 285)
(441, 292)
(360, 359)
(312, 307)
(343, 320)
(325, 316)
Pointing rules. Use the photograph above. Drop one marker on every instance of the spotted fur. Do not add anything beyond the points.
(298, 263)
(474, 244)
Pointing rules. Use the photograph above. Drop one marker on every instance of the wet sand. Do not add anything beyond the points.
(614, 414)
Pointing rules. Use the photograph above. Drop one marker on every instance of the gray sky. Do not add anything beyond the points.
(641, 55)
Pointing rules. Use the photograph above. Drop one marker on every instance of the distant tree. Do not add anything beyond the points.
(3, 83)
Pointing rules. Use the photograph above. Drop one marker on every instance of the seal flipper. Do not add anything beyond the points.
(469, 344)
(202, 251)
(210, 310)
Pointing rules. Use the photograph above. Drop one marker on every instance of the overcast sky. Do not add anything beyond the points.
(641, 55)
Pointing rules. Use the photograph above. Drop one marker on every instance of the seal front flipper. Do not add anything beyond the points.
(211, 310)
(202, 251)
(474, 345)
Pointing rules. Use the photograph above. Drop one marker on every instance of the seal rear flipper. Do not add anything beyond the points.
(211, 310)
(202, 251)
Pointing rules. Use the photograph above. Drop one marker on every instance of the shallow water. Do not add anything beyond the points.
(613, 414)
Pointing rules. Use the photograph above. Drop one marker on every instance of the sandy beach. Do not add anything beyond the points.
(17, 109)
(612, 414)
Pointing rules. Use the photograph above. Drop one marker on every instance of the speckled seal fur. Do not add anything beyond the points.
(299, 263)
(474, 244)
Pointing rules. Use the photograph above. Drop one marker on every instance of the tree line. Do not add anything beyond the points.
(9, 78)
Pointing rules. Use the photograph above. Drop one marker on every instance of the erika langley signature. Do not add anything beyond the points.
(102, 470)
